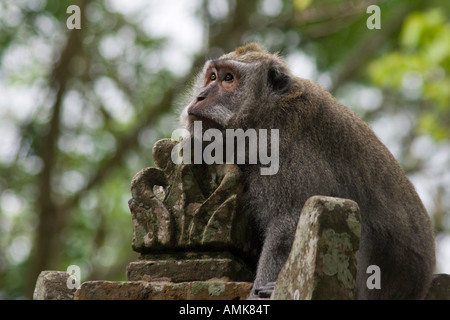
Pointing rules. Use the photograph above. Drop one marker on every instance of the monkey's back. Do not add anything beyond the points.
(396, 229)
(325, 149)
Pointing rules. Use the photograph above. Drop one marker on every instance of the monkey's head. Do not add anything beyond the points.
(235, 90)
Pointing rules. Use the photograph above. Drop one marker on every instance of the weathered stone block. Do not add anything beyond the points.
(114, 290)
(142, 290)
(322, 263)
(440, 288)
(52, 285)
(187, 207)
(188, 270)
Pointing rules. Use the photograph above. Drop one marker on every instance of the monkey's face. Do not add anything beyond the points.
(216, 96)
(237, 90)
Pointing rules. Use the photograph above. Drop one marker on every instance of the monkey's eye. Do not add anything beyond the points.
(212, 77)
(228, 77)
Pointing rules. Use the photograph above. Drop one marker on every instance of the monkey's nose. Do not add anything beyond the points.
(202, 95)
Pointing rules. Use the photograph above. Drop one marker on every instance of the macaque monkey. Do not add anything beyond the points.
(324, 149)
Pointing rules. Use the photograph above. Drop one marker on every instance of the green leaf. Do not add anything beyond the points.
(412, 31)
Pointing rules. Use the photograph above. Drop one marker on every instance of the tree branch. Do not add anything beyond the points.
(51, 217)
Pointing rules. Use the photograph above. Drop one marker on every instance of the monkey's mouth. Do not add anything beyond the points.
(206, 122)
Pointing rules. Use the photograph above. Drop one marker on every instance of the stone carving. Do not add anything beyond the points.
(187, 223)
(187, 206)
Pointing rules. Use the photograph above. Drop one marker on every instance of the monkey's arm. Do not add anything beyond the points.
(274, 253)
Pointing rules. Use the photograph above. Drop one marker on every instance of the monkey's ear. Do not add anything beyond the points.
(278, 78)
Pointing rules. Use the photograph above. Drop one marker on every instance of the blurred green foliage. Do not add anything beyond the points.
(420, 68)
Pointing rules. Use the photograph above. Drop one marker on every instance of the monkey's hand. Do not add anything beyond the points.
(264, 292)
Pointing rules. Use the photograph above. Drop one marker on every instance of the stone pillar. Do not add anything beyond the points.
(322, 263)
(53, 285)
(440, 288)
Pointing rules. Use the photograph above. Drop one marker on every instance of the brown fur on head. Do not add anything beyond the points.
(253, 52)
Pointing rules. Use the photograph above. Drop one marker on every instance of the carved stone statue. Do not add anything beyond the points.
(185, 215)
